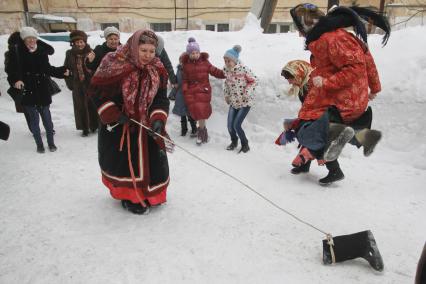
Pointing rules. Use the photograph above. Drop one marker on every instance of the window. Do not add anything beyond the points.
(278, 28)
(161, 27)
(106, 25)
(210, 28)
(284, 28)
(272, 28)
(223, 27)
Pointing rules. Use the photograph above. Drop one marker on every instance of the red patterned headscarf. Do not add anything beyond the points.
(139, 83)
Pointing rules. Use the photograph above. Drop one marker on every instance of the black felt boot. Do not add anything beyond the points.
(352, 246)
(193, 124)
(135, 208)
(334, 173)
(183, 125)
(304, 168)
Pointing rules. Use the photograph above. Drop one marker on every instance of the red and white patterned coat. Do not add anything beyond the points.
(240, 86)
(348, 71)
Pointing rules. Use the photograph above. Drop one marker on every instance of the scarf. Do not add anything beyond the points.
(301, 71)
(80, 57)
(138, 83)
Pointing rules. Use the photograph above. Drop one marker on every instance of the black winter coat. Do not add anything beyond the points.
(161, 53)
(100, 51)
(164, 57)
(31, 68)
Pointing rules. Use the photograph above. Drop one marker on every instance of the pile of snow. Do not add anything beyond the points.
(252, 25)
(58, 223)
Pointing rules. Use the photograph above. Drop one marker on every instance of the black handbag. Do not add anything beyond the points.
(52, 87)
(16, 94)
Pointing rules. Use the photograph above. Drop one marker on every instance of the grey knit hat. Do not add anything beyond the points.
(111, 31)
(28, 32)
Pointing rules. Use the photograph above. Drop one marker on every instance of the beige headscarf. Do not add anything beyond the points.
(301, 70)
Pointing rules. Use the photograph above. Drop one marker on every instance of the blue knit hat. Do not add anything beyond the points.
(233, 53)
(192, 46)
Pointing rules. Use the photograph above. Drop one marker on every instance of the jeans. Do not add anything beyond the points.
(235, 119)
(34, 113)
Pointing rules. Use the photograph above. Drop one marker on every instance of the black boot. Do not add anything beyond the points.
(304, 168)
(334, 173)
(193, 124)
(244, 148)
(135, 208)
(352, 246)
(183, 125)
(233, 145)
(52, 147)
(40, 148)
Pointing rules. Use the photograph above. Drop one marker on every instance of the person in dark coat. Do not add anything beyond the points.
(196, 86)
(161, 53)
(85, 114)
(28, 69)
(131, 85)
(180, 107)
(12, 41)
(112, 41)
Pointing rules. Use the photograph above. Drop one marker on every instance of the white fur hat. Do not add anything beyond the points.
(28, 32)
(111, 30)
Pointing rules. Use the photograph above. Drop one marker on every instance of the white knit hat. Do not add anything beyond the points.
(111, 30)
(28, 32)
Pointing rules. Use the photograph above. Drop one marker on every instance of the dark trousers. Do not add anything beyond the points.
(236, 117)
(34, 113)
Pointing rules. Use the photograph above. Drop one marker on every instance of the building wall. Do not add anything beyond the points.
(134, 14)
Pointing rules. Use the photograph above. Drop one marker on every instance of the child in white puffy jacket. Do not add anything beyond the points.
(239, 90)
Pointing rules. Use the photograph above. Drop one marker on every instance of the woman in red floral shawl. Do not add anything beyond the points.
(131, 84)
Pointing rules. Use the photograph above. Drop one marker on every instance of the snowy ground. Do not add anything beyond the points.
(59, 225)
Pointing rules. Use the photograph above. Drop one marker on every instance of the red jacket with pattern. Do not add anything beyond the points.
(196, 87)
(348, 70)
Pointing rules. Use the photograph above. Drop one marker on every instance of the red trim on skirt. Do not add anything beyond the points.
(128, 193)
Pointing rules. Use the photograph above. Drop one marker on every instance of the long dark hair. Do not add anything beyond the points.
(377, 19)
(344, 17)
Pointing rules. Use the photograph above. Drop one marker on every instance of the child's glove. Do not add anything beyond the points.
(289, 136)
(285, 137)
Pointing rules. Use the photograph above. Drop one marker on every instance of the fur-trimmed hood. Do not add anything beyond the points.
(15, 39)
(204, 56)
